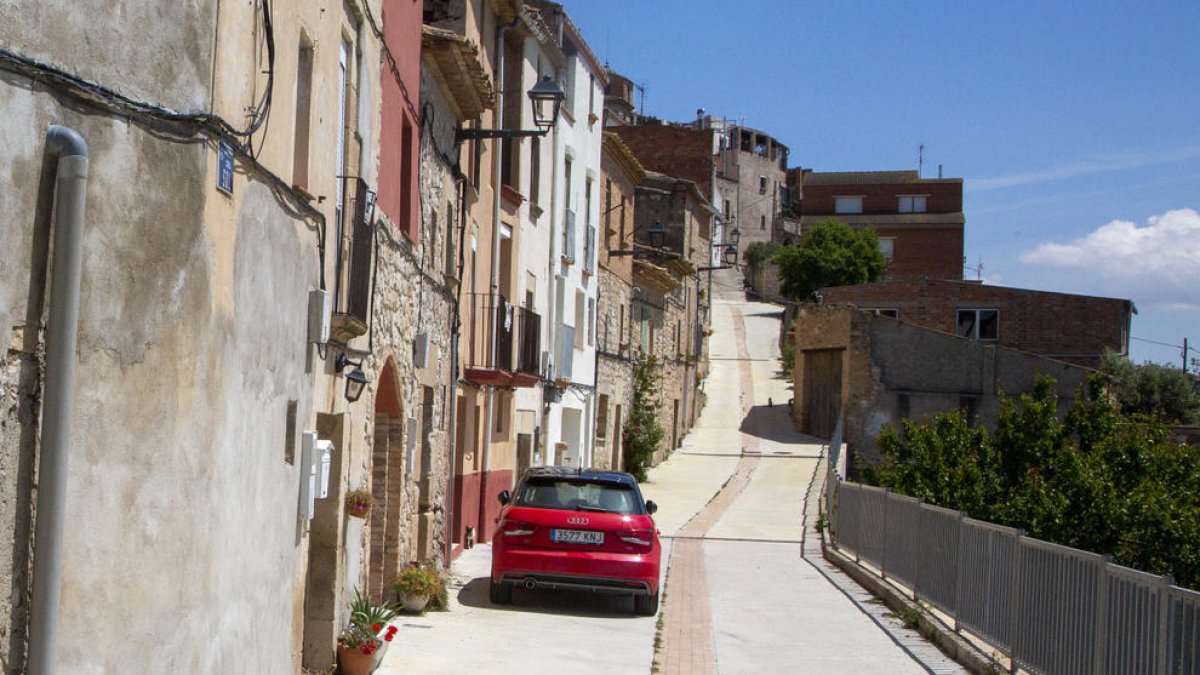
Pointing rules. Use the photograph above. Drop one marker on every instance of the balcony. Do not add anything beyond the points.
(502, 342)
(355, 247)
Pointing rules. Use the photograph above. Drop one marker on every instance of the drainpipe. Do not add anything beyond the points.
(71, 152)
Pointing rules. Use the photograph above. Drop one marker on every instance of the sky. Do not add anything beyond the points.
(1074, 126)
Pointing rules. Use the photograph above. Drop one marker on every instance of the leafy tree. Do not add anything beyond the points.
(1154, 389)
(759, 252)
(830, 254)
(642, 432)
(1093, 479)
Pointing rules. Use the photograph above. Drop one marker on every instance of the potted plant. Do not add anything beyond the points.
(363, 642)
(358, 502)
(414, 586)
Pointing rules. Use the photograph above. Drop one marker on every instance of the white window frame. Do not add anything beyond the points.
(912, 202)
(978, 321)
(887, 246)
(848, 200)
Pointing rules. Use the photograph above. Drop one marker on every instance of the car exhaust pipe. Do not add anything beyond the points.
(530, 584)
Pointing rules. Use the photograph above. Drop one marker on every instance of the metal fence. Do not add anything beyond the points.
(1050, 608)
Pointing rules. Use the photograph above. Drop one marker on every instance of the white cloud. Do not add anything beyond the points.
(1158, 263)
(1085, 167)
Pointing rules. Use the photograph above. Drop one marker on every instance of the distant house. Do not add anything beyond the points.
(872, 371)
(919, 220)
(1073, 328)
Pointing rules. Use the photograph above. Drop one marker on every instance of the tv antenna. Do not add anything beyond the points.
(920, 159)
(641, 86)
(977, 269)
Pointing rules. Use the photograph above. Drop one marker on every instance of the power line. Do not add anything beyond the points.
(1162, 344)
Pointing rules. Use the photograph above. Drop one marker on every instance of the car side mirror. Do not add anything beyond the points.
(651, 507)
(504, 497)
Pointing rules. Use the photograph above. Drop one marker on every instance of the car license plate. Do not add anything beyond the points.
(576, 537)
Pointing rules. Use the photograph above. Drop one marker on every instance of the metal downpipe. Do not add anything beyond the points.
(71, 151)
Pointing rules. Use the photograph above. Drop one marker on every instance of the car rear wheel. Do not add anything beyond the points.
(645, 605)
(500, 594)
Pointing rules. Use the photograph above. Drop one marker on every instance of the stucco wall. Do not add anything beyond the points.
(192, 340)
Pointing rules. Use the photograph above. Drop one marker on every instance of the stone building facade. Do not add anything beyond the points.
(217, 250)
(620, 174)
(757, 165)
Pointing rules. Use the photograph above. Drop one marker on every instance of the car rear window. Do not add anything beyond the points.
(579, 495)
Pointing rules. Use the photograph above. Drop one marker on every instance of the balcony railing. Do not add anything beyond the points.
(356, 247)
(498, 331)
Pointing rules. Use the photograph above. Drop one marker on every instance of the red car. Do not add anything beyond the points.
(577, 529)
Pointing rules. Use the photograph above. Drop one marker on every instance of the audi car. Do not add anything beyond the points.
(577, 529)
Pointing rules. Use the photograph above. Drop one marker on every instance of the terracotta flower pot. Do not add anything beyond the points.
(352, 661)
(358, 510)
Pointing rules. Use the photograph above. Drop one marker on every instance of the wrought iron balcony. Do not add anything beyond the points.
(502, 341)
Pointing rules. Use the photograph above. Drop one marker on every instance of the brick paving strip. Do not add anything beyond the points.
(686, 647)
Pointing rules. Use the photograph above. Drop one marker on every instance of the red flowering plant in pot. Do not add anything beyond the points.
(362, 643)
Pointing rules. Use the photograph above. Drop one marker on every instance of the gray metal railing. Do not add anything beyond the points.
(1050, 608)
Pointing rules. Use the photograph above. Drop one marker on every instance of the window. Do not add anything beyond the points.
(894, 313)
(762, 222)
(979, 324)
(887, 246)
(848, 204)
(912, 203)
(450, 271)
(602, 417)
(580, 319)
(762, 185)
(591, 322)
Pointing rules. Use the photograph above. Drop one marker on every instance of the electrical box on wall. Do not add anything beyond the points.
(421, 350)
(316, 457)
(318, 316)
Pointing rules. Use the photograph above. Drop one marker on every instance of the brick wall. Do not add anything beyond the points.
(680, 152)
(924, 252)
(943, 196)
(1073, 328)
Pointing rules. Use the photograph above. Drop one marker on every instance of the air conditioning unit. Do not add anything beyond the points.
(421, 350)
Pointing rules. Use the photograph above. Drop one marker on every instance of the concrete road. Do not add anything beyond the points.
(746, 590)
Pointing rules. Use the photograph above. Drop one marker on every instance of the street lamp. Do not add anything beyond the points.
(735, 235)
(545, 96)
(658, 234)
(356, 380)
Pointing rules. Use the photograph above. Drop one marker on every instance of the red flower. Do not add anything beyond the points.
(389, 636)
(376, 627)
(392, 630)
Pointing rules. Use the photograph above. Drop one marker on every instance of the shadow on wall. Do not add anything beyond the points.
(774, 423)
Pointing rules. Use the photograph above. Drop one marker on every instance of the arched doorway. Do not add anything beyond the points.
(387, 538)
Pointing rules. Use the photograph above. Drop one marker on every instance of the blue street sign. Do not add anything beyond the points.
(225, 168)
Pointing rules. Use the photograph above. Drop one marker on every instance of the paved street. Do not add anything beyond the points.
(746, 589)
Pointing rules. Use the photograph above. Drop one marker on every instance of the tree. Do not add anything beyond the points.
(831, 253)
(1154, 389)
(1093, 479)
(642, 432)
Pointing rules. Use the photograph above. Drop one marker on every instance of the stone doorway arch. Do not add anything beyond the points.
(388, 539)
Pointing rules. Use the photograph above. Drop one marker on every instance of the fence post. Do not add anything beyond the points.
(958, 571)
(1014, 620)
(916, 582)
(1100, 640)
(887, 506)
(1163, 653)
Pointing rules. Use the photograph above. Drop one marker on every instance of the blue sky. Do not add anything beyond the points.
(1075, 126)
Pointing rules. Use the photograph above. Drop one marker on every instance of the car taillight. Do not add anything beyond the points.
(518, 529)
(642, 538)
